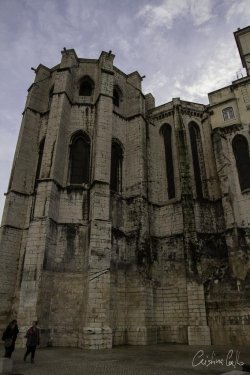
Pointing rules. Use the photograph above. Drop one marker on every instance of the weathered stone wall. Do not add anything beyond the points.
(61, 307)
(228, 289)
(100, 268)
(228, 317)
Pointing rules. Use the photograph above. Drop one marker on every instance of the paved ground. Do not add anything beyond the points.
(149, 360)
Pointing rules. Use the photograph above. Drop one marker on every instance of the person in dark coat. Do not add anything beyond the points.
(9, 338)
(33, 339)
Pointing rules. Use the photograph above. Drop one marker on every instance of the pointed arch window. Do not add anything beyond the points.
(50, 97)
(86, 86)
(116, 97)
(39, 162)
(166, 132)
(80, 159)
(197, 156)
(241, 154)
(116, 168)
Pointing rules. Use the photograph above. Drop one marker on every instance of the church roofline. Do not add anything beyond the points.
(135, 73)
(181, 102)
(71, 51)
(129, 74)
(233, 84)
(41, 66)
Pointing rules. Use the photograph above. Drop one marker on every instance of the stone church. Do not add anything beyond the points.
(127, 223)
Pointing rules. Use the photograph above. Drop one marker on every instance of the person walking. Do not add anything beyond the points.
(33, 339)
(9, 337)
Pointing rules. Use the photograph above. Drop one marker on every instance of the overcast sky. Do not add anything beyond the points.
(186, 48)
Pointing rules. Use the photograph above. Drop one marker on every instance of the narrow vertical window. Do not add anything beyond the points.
(166, 131)
(241, 154)
(80, 159)
(86, 86)
(116, 168)
(116, 98)
(197, 155)
(39, 162)
(50, 97)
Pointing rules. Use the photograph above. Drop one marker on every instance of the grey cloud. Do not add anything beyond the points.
(165, 13)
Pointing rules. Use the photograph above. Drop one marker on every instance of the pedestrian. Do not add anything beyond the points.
(33, 339)
(9, 337)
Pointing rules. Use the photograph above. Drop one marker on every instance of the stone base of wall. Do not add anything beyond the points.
(142, 335)
(46, 337)
(96, 338)
(150, 335)
(230, 335)
(62, 337)
(21, 340)
(172, 334)
(199, 335)
(6, 365)
(51, 337)
(119, 336)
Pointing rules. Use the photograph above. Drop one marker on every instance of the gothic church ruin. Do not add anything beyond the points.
(127, 223)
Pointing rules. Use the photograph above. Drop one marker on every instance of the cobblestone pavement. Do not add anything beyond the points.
(147, 360)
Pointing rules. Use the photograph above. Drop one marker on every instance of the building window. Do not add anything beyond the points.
(86, 86)
(166, 132)
(80, 159)
(116, 98)
(241, 154)
(116, 168)
(50, 97)
(197, 156)
(39, 162)
(228, 113)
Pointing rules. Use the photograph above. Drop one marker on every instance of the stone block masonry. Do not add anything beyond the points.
(127, 223)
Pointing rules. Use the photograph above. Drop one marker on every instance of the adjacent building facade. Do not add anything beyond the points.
(127, 223)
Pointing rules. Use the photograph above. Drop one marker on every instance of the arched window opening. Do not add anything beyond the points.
(241, 154)
(228, 113)
(50, 97)
(86, 87)
(197, 156)
(166, 131)
(39, 162)
(80, 159)
(116, 168)
(116, 97)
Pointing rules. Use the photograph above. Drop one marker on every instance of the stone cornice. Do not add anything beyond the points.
(228, 129)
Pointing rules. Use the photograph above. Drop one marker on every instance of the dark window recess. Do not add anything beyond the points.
(241, 154)
(116, 168)
(194, 135)
(167, 136)
(116, 98)
(80, 157)
(50, 97)
(85, 88)
(39, 163)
